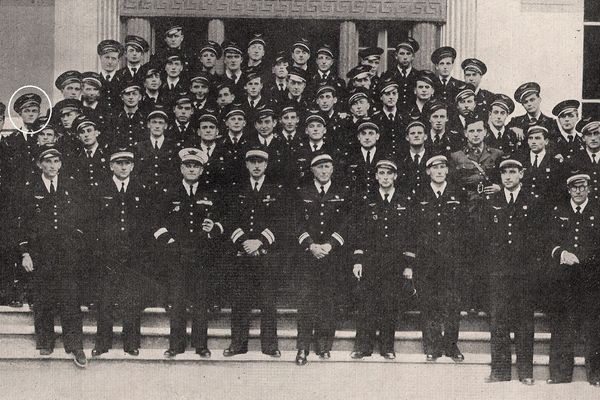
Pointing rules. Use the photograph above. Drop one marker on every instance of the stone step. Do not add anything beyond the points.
(21, 353)
(157, 317)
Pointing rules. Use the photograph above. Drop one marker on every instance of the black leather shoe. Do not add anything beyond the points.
(455, 354)
(301, 357)
(389, 356)
(273, 353)
(494, 379)
(204, 353)
(433, 356)
(133, 352)
(79, 358)
(325, 355)
(357, 355)
(170, 353)
(528, 381)
(230, 352)
(46, 351)
(98, 352)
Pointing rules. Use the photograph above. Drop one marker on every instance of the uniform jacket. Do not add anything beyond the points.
(152, 166)
(406, 87)
(129, 131)
(463, 171)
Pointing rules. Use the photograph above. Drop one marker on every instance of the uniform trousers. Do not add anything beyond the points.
(318, 288)
(188, 286)
(255, 284)
(576, 311)
(511, 308)
(378, 309)
(119, 296)
(438, 289)
(55, 288)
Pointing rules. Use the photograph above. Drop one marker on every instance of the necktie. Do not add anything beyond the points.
(172, 86)
(280, 87)
(369, 157)
(534, 120)
(439, 194)
(436, 140)
(386, 198)
(570, 138)
(129, 115)
(314, 147)
(153, 99)
(192, 191)
(156, 145)
(52, 188)
(252, 103)
(107, 78)
(578, 210)
(535, 162)
(391, 117)
(234, 140)
(416, 160)
(403, 72)
(88, 153)
(322, 192)
(133, 71)
(208, 151)
(594, 158)
(511, 201)
(444, 81)
(256, 187)
(122, 190)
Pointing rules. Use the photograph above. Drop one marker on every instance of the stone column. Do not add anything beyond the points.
(141, 27)
(348, 48)
(382, 41)
(428, 36)
(460, 31)
(216, 32)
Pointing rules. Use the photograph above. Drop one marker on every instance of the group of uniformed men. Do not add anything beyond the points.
(169, 175)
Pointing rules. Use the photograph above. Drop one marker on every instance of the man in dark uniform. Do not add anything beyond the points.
(94, 105)
(473, 70)
(300, 53)
(235, 140)
(360, 77)
(404, 73)
(256, 218)
(183, 128)
(446, 86)
(574, 277)
(189, 224)
(130, 122)
(323, 209)
(441, 139)
(361, 161)
(274, 145)
(135, 48)
(121, 229)
(588, 160)
(232, 58)
(67, 111)
(411, 162)
(210, 51)
(49, 238)
(464, 106)
(69, 84)
(109, 52)
(474, 169)
(384, 254)
(510, 224)
(174, 82)
(499, 137)
(423, 90)
(255, 51)
(296, 89)
(528, 94)
(564, 138)
(371, 57)
(200, 90)
(152, 91)
(174, 39)
(326, 74)
(441, 213)
(276, 86)
(388, 118)
(156, 155)
(253, 99)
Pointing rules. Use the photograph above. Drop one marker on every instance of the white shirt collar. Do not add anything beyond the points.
(421, 154)
(582, 205)
(205, 148)
(441, 188)
(160, 140)
(497, 132)
(193, 187)
(93, 149)
(265, 141)
(47, 182)
(319, 144)
(90, 105)
(514, 192)
(325, 186)
(232, 136)
(260, 182)
(118, 182)
(232, 76)
(172, 81)
(390, 194)
(539, 155)
(111, 74)
(589, 153)
(364, 151)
